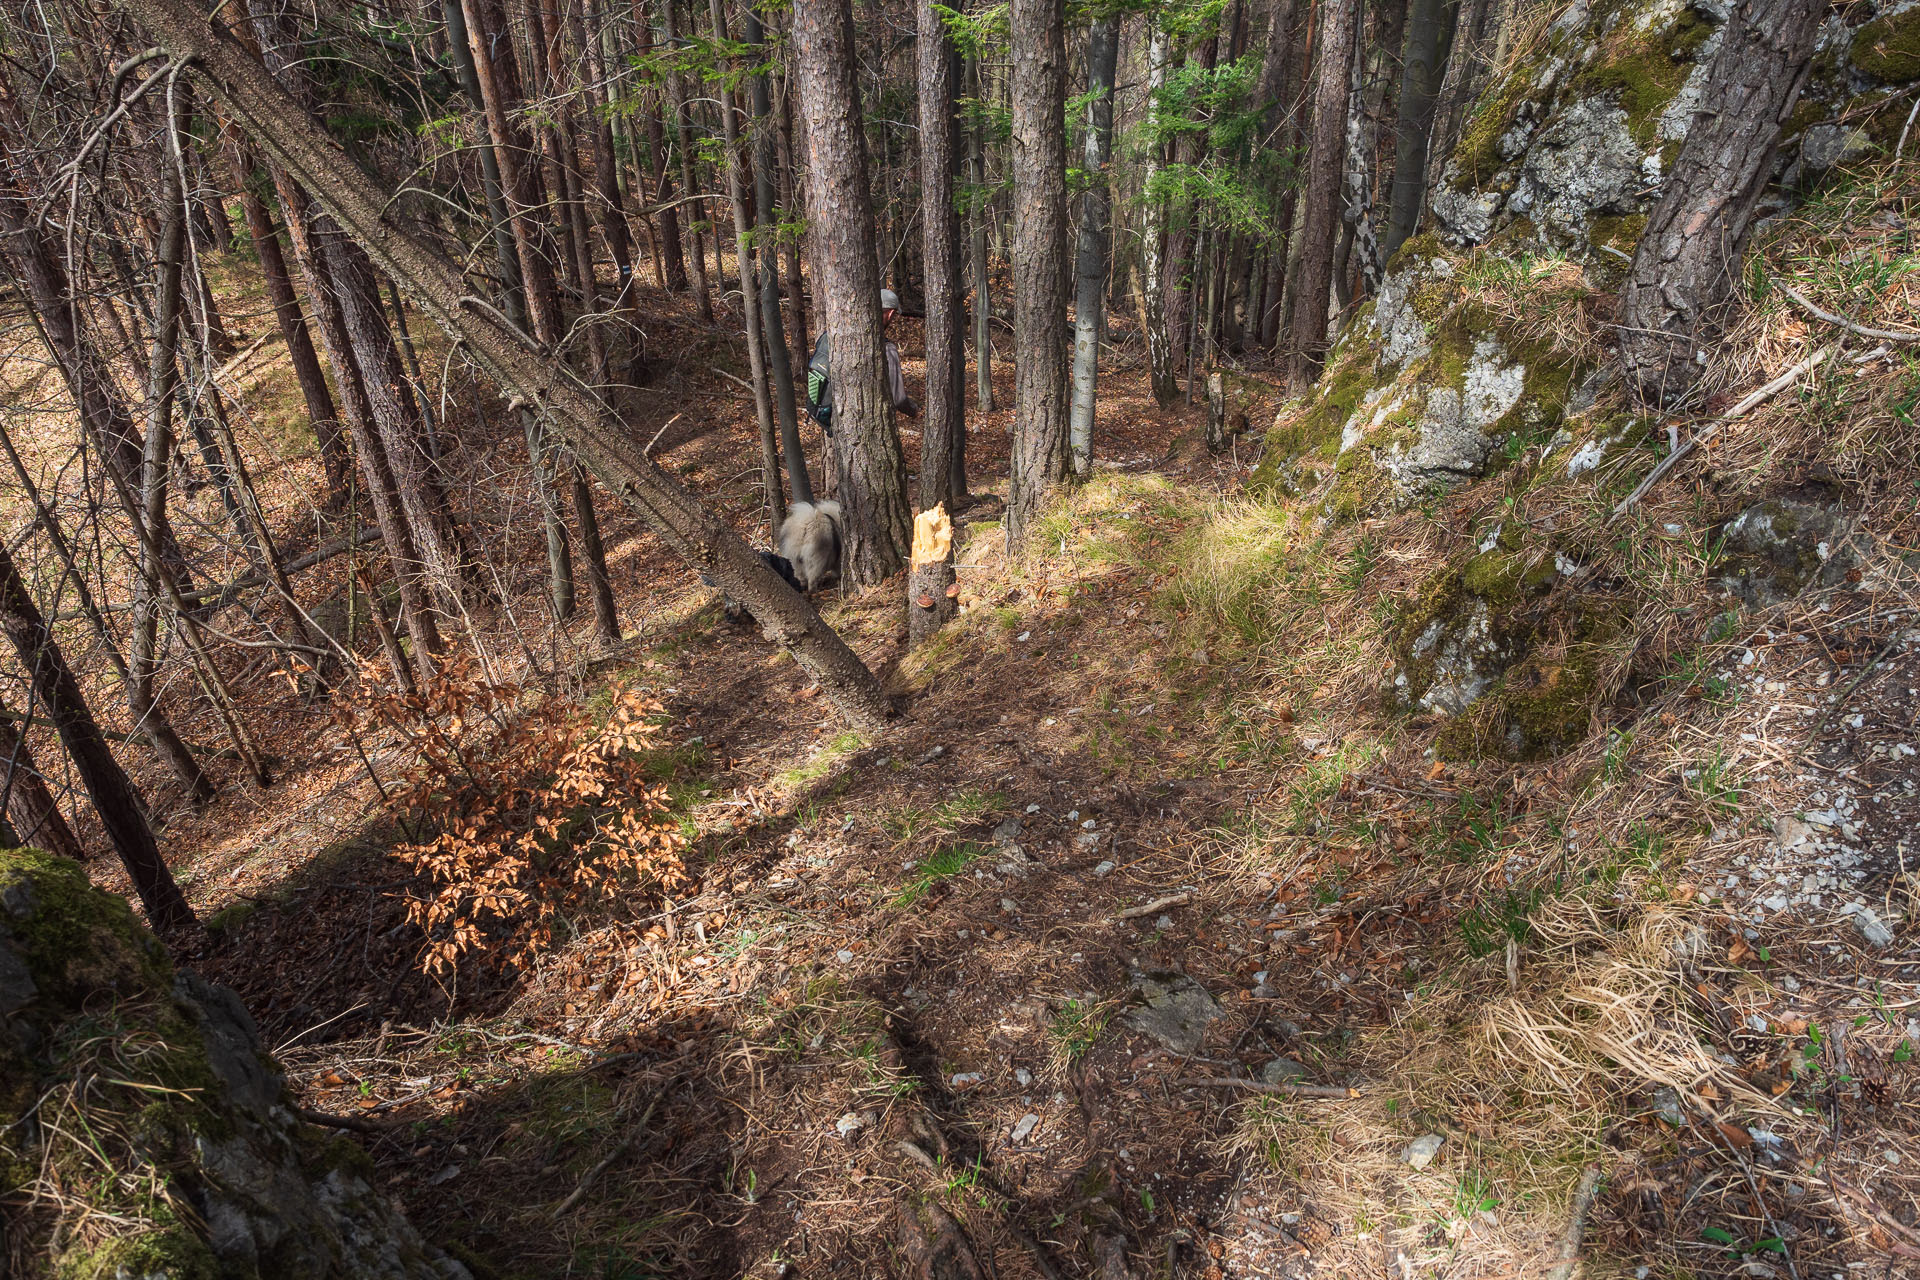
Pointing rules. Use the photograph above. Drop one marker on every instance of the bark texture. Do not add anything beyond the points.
(1326, 163)
(873, 476)
(944, 431)
(115, 801)
(1039, 93)
(1683, 272)
(1153, 237)
(1090, 264)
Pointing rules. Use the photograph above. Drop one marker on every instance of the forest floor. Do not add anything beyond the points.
(1142, 839)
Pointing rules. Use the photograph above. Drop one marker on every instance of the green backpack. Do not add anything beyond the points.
(819, 407)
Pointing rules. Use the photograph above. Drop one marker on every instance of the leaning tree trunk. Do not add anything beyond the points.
(1090, 268)
(1326, 163)
(873, 474)
(683, 141)
(944, 432)
(1425, 62)
(1039, 260)
(115, 801)
(1683, 273)
(27, 802)
(279, 126)
(1153, 235)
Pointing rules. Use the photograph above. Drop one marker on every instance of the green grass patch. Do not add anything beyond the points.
(943, 865)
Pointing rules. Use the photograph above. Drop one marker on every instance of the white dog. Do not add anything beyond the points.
(810, 538)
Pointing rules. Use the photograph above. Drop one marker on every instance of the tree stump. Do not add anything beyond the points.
(932, 590)
(1216, 412)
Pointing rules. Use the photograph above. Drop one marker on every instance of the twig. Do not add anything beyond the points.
(730, 377)
(1261, 1086)
(355, 1123)
(1701, 437)
(1905, 129)
(1179, 899)
(662, 431)
(586, 1183)
(1878, 335)
(1583, 1197)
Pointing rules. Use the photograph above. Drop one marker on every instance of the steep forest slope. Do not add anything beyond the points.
(1403, 843)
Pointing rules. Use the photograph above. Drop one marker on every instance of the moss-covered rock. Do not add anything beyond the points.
(1778, 548)
(108, 1055)
(1581, 132)
(1426, 386)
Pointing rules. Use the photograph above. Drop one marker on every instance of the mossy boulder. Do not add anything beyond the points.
(1510, 646)
(1777, 548)
(1429, 387)
(112, 1062)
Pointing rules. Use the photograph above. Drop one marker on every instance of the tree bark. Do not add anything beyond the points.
(766, 219)
(982, 281)
(29, 805)
(675, 276)
(1153, 234)
(321, 412)
(114, 799)
(1684, 271)
(683, 141)
(279, 126)
(1089, 312)
(944, 429)
(750, 310)
(1428, 37)
(1039, 260)
(1326, 161)
(872, 471)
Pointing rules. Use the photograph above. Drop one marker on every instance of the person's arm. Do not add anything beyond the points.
(897, 384)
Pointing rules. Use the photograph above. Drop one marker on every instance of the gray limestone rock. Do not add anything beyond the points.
(1175, 1010)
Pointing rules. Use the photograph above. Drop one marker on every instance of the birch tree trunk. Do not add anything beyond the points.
(1153, 234)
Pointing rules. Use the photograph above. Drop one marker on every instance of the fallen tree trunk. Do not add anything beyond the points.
(277, 125)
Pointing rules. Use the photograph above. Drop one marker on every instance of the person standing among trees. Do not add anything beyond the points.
(820, 381)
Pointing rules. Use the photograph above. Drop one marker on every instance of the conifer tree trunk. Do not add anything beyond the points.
(460, 50)
(671, 247)
(944, 429)
(872, 472)
(114, 799)
(1326, 162)
(1039, 260)
(1089, 314)
(683, 142)
(26, 801)
(779, 366)
(1153, 234)
(1685, 268)
(1428, 35)
(982, 283)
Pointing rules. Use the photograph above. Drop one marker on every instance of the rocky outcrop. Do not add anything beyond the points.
(1775, 549)
(147, 1134)
(1448, 372)
(1566, 153)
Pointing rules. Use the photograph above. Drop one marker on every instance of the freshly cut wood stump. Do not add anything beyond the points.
(932, 590)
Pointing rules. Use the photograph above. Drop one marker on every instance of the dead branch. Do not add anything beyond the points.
(1261, 1086)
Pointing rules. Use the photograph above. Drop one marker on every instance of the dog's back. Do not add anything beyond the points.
(810, 538)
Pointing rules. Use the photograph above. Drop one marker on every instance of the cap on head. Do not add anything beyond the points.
(889, 300)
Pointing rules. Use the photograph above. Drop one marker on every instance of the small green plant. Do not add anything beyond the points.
(1473, 1194)
(1488, 927)
(947, 862)
(1714, 781)
(1737, 1249)
(1076, 1029)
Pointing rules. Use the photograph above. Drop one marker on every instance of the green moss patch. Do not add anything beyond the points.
(1888, 49)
